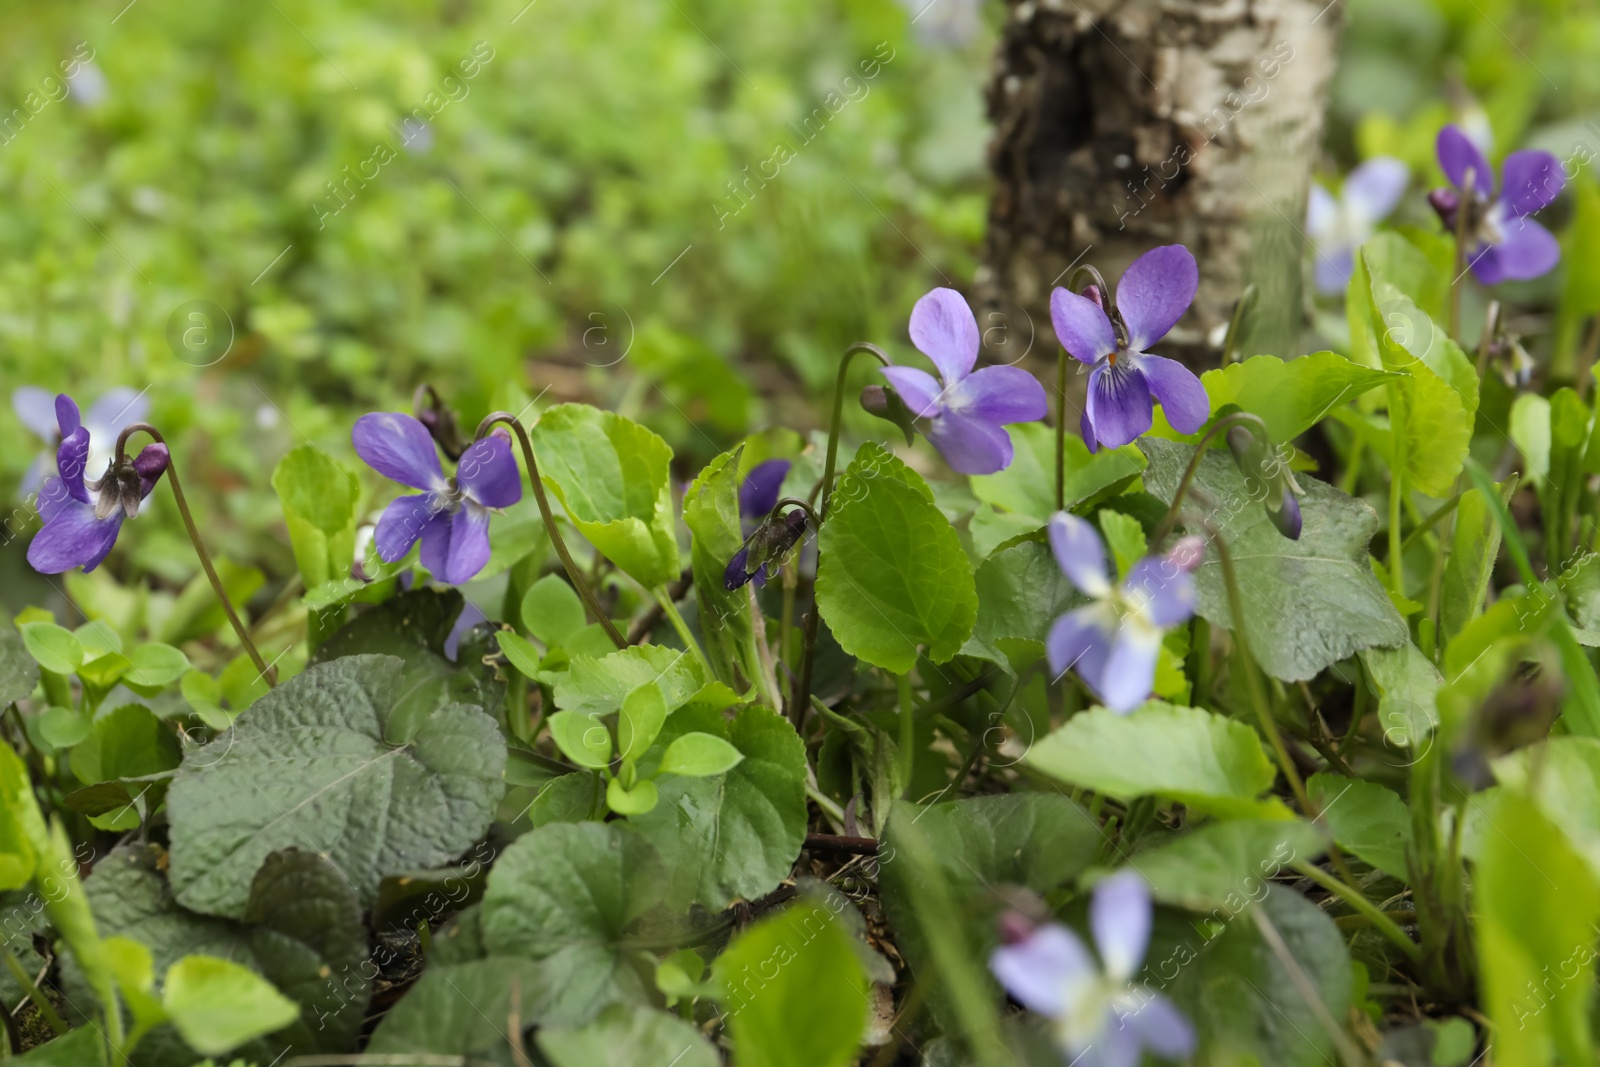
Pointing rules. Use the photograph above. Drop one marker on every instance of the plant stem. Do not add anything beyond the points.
(199, 546)
(908, 732)
(802, 693)
(1380, 922)
(573, 574)
(671, 610)
(1458, 278)
(47, 1011)
(1171, 518)
(1397, 474)
(1061, 430)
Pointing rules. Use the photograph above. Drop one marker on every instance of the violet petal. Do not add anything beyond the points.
(487, 473)
(1155, 291)
(1183, 398)
(1118, 404)
(970, 445)
(1081, 326)
(397, 446)
(1458, 157)
(1528, 251)
(943, 329)
(1119, 915)
(73, 538)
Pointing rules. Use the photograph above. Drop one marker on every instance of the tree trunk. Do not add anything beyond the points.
(1125, 124)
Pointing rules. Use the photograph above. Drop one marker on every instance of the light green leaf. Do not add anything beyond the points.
(698, 755)
(644, 711)
(813, 1011)
(629, 1036)
(599, 686)
(1535, 903)
(711, 512)
(1205, 760)
(612, 476)
(736, 835)
(1407, 684)
(520, 653)
(156, 665)
(582, 738)
(65, 727)
(217, 1005)
(566, 894)
(1561, 776)
(319, 506)
(1530, 432)
(1311, 602)
(17, 857)
(642, 798)
(1028, 486)
(1226, 865)
(1366, 819)
(552, 611)
(82, 1046)
(309, 767)
(1474, 545)
(19, 673)
(1125, 537)
(126, 742)
(55, 648)
(1291, 396)
(892, 576)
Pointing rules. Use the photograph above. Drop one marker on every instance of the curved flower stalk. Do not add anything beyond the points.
(83, 515)
(1497, 238)
(451, 515)
(768, 537)
(965, 411)
(1152, 296)
(36, 409)
(1339, 225)
(1114, 642)
(1099, 1017)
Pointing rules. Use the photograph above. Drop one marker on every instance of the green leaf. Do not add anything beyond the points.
(1028, 486)
(1311, 602)
(566, 895)
(892, 576)
(736, 835)
(1243, 999)
(1474, 545)
(698, 755)
(552, 611)
(1561, 776)
(570, 798)
(642, 798)
(711, 512)
(1021, 591)
(644, 712)
(55, 648)
(1203, 759)
(156, 665)
(582, 738)
(1535, 903)
(1407, 685)
(1125, 537)
(319, 506)
(126, 742)
(83, 1046)
(309, 767)
(812, 1012)
(19, 673)
(612, 476)
(1530, 432)
(1226, 865)
(17, 856)
(461, 1009)
(217, 1005)
(1366, 819)
(520, 652)
(1038, 841)
(1291, 396)
(629, 1036)
(414, 626)
(599, 686)
(65, 727)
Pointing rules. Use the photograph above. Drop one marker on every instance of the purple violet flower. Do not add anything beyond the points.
(82, 517)
(758, 495)
(966, 410)
(1337, 227)
(1503, 243)
(1152, 296)
(1115, 641)
(116, 408)
(450, 515)
(1099, 1017)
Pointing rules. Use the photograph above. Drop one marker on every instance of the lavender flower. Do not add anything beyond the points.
(450, 515)
(1114, 642)
(1337, 227)
(116, 408)
(83, 517)
(1154, 293)
(1100, 1019)
(966, 410)
(1503, 244)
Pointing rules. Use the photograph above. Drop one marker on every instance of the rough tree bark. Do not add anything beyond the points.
(1125, 124)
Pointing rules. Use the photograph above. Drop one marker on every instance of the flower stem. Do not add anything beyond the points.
(1397, 463)
(573, 574)
(1459, 277)
(908, 732)
(199, 546)
(1171, 518)
(802, 693)
(1061, 430)
(670, 609)
(1380, 922)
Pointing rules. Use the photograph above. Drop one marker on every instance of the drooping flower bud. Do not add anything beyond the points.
(885, 403)
(759, 558)
(1188, 553)
(1267, 477)
(1445, 203)
(440, 421)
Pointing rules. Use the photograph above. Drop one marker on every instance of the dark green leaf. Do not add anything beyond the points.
(1226, 865)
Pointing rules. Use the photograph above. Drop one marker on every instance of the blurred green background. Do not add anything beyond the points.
(596, 208)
